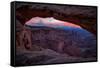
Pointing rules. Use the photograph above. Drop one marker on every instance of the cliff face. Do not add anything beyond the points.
(64, 41)
(49, 45)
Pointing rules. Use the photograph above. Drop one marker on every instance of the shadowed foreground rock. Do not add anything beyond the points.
(50, 45)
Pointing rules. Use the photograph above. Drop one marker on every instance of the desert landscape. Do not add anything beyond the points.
(53, 34)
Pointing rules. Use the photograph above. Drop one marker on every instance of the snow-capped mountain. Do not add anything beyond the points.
(50, 22)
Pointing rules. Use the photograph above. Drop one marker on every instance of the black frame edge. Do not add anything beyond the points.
(12, 35)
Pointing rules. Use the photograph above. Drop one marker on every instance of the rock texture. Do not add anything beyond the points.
(45, 45)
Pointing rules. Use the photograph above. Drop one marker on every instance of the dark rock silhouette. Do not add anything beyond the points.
(85, 16)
